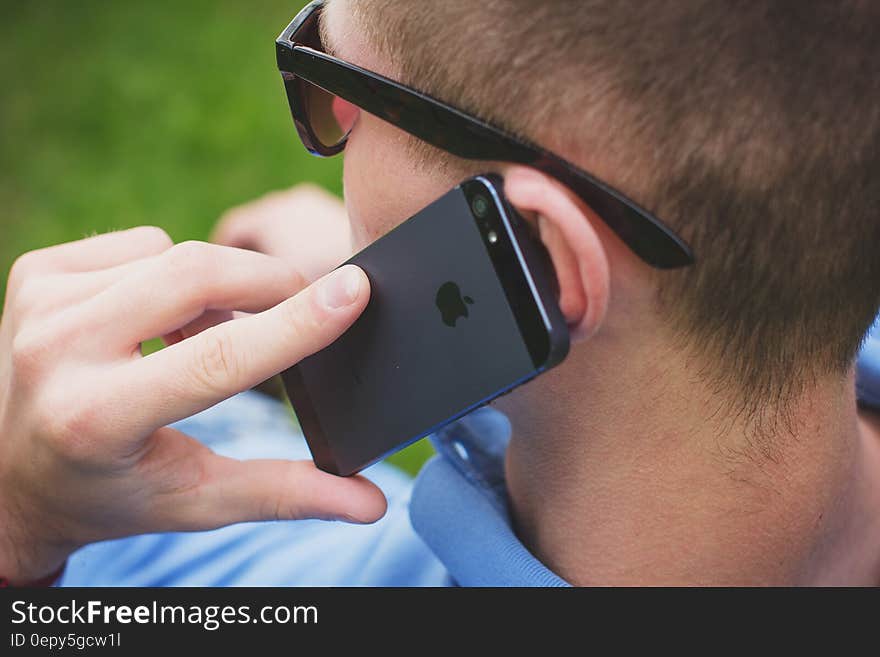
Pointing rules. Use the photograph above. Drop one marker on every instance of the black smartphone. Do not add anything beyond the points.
(463, 308)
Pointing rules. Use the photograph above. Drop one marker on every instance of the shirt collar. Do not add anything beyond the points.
(868, 368)
(459, 507)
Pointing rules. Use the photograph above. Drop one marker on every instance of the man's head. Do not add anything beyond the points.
(753, 130)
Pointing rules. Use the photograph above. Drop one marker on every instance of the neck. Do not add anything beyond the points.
(623, 470)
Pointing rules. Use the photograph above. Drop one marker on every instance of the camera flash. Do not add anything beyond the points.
(493, 237)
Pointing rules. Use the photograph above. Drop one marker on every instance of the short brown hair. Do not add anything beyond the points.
(750, 127)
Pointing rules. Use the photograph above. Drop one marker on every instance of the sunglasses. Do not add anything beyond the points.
(322, 88)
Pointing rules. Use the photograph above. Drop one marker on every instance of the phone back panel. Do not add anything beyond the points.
(400, 371)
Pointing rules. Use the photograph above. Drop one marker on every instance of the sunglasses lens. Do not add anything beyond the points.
(330, 117)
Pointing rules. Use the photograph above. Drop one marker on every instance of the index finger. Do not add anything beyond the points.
(105, 250)
(198, 372)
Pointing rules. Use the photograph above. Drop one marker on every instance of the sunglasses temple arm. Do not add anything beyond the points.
(645, 235)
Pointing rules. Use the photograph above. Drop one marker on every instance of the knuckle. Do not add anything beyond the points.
(216, 367)
(191, 253)
(302, 317)
(72, 429)
(26, 295)
(285, 503)
(22, 269)
(191, 262)
(154, 237)
(282, 508)
(30, 353)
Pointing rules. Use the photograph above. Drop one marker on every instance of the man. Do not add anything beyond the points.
(703, 430)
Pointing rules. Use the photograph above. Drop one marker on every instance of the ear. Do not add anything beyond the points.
(578, 255)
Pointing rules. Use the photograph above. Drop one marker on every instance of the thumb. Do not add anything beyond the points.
(241, 491)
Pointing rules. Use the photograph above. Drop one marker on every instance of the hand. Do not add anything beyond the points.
(305, 226)
(85, 453)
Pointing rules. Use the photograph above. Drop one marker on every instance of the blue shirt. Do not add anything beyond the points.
(450, 526)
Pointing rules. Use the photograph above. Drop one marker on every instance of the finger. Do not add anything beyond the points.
(187, 487)
(173, 289)
(103, 251)
(290, 225)
(242, 491)
(61, 290)
(195, 374)
(243, 226)
(239, 230)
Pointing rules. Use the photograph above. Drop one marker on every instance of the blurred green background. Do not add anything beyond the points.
(118, 114)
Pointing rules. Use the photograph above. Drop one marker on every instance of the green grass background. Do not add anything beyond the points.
(118, 114)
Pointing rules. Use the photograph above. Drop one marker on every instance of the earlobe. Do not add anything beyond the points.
(578, 255)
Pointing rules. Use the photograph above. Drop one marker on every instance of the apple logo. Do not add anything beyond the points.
(451, 303)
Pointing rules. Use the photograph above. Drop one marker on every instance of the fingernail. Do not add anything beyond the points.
(341, 288)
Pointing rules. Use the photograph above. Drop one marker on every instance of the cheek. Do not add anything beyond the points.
(383, 184)
(368, 182)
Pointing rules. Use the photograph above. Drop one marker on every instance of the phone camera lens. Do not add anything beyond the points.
(480, 205)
